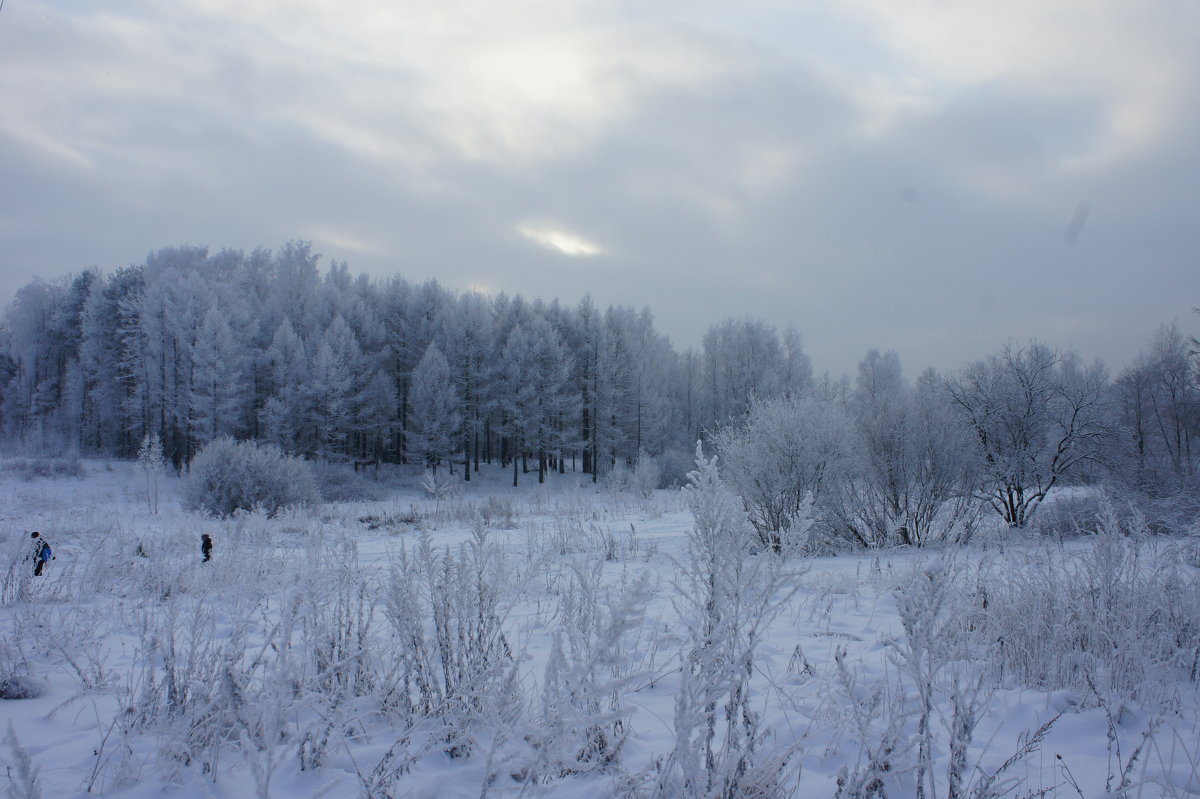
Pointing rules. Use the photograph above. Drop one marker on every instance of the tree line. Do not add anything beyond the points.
(192, 346)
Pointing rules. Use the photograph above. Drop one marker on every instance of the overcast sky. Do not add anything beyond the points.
(931, 177)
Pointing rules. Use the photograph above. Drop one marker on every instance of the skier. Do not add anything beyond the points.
(205, 548)
(41, 553)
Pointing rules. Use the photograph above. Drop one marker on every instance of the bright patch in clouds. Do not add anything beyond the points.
(553, 237)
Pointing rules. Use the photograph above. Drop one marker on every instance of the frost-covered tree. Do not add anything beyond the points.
(1035, 415)
(295, 290)
(433, 411)
(554, 398)
(602, 378)
(283, 416)
(646, 412)
(150, 459)
(171, 309)
(104, 427)
(218, 394)
(797, 377)
(743, 361)
(410, 321)
(518, 397)
(36, 343)
(334, 383)
(467, 340)
(377, 414)
(1158, 401)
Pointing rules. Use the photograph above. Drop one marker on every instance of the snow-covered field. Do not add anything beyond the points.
(535, 642)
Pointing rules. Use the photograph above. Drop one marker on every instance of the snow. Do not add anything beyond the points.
(79, 633)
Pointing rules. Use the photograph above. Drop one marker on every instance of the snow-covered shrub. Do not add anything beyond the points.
(915, 470)
(150, 459)
(20, 686)
(182, 672)
(786, 450)
(646, 476)
(229, 476)
(333, 663)
(74, 641)
(441, 486)
(642, 478)
(1068, 516)
(1116, 618)
(337, 623)
(455, 669)
(22, 773)
(32, 468)
(875, 717)
(726, 598)
(927, 613)
(16, 567)
(338, 482)
(674, 466)
(616, 479)
(583, 724)
(15, 680)
(499, 513)
(1169, 507)
(915, 727)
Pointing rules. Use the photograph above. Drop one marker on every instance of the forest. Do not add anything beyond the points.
(191, 347)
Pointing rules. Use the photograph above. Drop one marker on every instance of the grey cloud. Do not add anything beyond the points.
(744, 182)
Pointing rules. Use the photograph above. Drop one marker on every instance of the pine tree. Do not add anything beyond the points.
(284, 414)
(218, 386)
(433, 412)
(334, 386)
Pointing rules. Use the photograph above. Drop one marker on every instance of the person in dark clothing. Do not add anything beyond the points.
(205, 548)
(41, 553)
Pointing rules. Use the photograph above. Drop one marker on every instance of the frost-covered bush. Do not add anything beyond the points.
(674, 466)
(916, 469)
(150, 458)
(726, 600)
(642, 478)
(453, 663)
(338, 482)
(16, 567)
(228, 476)
(646, 476)
(22, 773)
(32, 468)
(1169, 506)
(15, 680)
(785, 451)
(1067, 516)
(584, 720)
(440, 485)
(1118, 618)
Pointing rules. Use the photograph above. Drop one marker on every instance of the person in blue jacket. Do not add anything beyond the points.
(41, 553)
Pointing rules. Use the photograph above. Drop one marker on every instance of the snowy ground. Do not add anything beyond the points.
(278, 669)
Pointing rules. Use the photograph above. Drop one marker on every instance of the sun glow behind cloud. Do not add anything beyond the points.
(555, 238)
